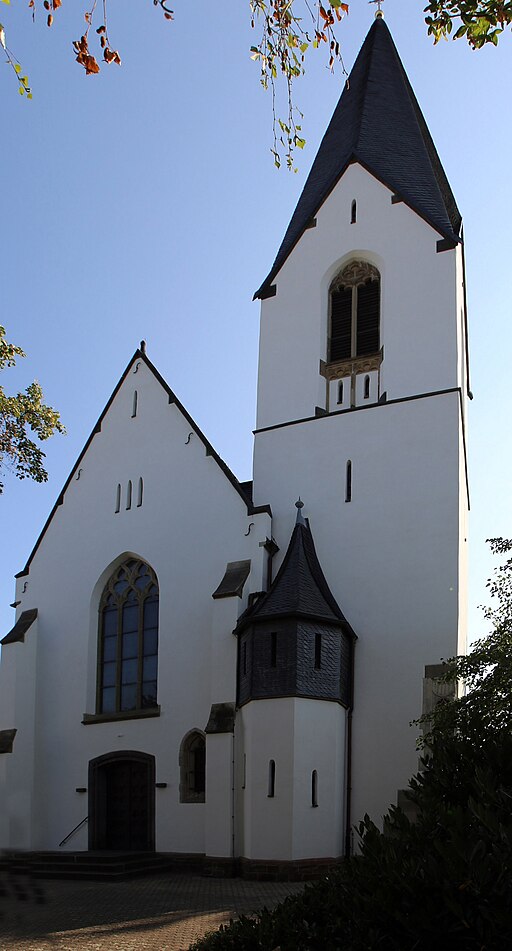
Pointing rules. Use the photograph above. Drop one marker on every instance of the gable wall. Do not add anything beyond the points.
(191, 523)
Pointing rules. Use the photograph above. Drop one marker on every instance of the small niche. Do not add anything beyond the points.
(353, 212)
(340, 391)
(366, 393)
(129, 495)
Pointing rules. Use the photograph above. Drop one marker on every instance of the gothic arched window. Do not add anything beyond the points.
(128, 640)
(193, 767)
(354, 312)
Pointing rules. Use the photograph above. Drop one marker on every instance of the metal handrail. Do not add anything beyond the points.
(68, 836)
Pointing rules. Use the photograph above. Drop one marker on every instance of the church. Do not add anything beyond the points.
(226, 671)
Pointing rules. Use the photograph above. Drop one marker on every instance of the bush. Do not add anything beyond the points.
(443, 881)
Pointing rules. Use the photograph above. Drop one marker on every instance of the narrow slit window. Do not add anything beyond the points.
(367, 388)
(271, 779)
(273, 649)
(118, 498)
(129, 495)
(140, 492)
(134, 404)
(314, 788)
(244, 772)
(353, 212)
(348, 482)
(244, 659)
(318, 650)
(340, 391)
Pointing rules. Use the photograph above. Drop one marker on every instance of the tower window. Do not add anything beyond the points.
(366, 393)
(353, 212)
(128, 640)
(271, 779)
(273, 649)
(355, 312)
(340, 391)
(314, 788)
(318, 650)
(348, 482)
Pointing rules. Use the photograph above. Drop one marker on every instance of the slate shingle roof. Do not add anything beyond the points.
(379, 124)
(299, 588)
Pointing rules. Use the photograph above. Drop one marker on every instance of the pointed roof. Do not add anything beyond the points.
(379, 124)
(299, 588)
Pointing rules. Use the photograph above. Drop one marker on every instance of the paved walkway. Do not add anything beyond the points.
(162, 913)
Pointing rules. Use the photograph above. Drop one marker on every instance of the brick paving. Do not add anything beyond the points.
(161, 913)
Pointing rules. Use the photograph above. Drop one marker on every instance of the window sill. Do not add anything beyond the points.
(340, 368)
(121, 715)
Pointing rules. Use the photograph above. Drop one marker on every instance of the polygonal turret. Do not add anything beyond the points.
(294, 640)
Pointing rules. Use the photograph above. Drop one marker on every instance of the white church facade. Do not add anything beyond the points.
(218, 669)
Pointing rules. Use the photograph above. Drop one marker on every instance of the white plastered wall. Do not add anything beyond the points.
(419, 291)
(300, 736)
(191, 523)
(395, 556)
(392, 558)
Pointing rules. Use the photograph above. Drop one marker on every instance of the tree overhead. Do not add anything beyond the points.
(285, 30)
(22, 416)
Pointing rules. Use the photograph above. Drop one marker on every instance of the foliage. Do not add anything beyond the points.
(480, 21)
(486, 672)
(21, 415)
(444, 879)
(286, 29)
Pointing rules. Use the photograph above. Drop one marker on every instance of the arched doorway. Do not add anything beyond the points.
(122, 802)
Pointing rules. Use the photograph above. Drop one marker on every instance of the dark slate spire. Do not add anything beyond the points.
(300, 588)
(379, 124)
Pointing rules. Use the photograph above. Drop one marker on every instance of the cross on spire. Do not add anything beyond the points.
(379, 11)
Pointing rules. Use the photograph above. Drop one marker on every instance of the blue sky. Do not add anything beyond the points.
(143, 203)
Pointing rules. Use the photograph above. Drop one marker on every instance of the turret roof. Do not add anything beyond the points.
(299, 588)
(377, 123)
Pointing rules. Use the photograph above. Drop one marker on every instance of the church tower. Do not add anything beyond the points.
(361, 405)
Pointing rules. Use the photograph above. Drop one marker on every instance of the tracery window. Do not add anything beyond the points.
(128, 640)
(193, 767)
(354, 312)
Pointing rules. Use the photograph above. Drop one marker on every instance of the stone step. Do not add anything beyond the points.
(97, 866)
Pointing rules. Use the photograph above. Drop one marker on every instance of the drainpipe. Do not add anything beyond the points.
(233, 797)
(348, 772)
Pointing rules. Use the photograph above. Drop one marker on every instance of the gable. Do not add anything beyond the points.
(119, 420)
